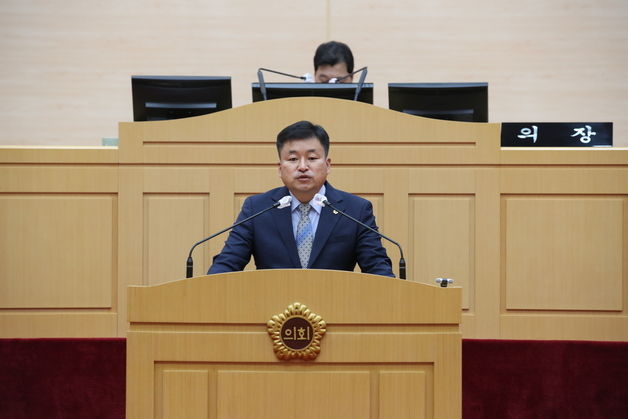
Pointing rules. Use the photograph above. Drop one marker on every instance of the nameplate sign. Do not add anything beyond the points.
(557, 134)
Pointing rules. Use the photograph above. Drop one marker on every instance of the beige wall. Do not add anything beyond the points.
(65, 66)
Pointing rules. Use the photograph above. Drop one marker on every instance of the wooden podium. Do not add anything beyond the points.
(199, 348)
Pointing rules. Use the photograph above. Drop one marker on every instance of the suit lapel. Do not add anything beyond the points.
(326, 223)
(283, 223)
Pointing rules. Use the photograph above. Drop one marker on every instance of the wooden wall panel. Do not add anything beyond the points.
(548, 325)
(458, 204)
(404, 394)
(71, 265)
(443, 240)
(208, 390)
(563, 252)
(172, 224)
(58, 323)
(482, 319)
(58, 246)
(290, 394)
(246, 136)
(185, 395)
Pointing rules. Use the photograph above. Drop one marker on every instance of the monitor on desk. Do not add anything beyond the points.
(450, 101)
(333, 90)
(171, 97)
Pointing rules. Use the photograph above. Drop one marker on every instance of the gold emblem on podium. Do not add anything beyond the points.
(296, 333)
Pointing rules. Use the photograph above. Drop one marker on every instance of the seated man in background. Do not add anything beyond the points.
(304, 234)
(333, 63)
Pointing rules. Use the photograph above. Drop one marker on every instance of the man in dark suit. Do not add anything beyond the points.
(304, 234)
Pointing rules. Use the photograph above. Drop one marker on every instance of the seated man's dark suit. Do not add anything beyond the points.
(339, 243)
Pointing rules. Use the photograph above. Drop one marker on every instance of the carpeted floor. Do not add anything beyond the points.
(85, 378)
(62, 378)
(544, 379)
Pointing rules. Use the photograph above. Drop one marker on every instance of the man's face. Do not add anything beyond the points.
(303, 167)
(324, 73)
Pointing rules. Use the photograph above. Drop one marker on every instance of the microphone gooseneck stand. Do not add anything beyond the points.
(402, 261)
(189, 266)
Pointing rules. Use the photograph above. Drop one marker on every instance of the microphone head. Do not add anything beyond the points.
(320, 200)
(285, 202)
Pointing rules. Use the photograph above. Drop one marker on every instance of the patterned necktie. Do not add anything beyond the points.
(305, 235)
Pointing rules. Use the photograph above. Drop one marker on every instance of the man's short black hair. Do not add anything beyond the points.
(332, 53)
(303, 130)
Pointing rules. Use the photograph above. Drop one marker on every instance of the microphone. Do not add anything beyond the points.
(262, 84)
(444, 282)
(338, 80)
(282, 74)
(322, 201)
(358, 89)
(282, 203)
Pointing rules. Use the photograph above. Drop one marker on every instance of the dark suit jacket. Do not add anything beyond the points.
(339, 243)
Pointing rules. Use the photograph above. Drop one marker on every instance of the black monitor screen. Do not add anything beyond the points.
(333, 90)
(171, 97)
(451, 101)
